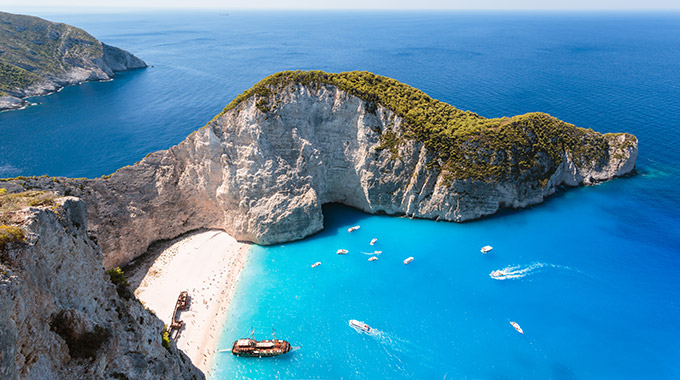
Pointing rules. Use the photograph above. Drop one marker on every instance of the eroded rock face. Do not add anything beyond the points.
(263, 175)
(61, 316)
(11, 103)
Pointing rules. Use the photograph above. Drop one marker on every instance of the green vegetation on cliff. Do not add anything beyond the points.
(32, 48)
(10, 234)
(122, 286)
(11, 202)
(462, 143)
(13, 77)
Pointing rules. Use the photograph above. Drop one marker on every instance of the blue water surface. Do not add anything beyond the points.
(592, 274)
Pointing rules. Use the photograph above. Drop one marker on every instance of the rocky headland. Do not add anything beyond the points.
(38, 57)
(262, 169)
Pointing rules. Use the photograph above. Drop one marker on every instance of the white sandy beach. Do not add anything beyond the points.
(206, 264)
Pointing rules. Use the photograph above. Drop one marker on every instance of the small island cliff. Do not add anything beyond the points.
(38, 57)
(262, 169)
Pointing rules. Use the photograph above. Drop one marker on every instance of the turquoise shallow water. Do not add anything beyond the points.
(596, 285)
(595, 299)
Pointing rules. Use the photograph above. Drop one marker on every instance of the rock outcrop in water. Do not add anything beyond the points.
(38, 57)
(263, 168)
(61, 317)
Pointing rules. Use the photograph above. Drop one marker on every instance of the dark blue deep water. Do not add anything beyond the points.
(593, 272)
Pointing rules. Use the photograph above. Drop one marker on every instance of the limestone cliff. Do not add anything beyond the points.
(38, 57)
(262, 169)
(61, 317)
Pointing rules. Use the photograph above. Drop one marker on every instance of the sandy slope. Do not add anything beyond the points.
(207, 264)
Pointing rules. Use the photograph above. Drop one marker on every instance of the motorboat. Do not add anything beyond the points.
(351, 229)
(516, 326)
(341, 251)
(316, 264)
(373, 258)
(486, 249)
(359, 325)
(373, 241)
(408, 260)
(497, 274)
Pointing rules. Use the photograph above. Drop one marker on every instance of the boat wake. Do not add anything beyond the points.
(397, 348)
(517, 271)
(372, 253)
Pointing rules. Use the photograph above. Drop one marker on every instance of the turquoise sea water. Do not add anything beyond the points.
(595, 284)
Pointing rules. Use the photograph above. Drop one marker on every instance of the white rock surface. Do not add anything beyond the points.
(11, 103)
(58, 272)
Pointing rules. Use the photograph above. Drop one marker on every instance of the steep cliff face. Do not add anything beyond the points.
(262, 174)
(262, 170)
(61, 316)
(38, 57)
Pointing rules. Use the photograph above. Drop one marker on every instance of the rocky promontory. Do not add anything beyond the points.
(38, 57)
(262, 169)
(61, 315)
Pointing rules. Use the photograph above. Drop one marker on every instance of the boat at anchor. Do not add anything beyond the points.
(250, 347)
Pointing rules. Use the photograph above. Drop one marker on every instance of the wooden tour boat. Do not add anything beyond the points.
(250, 347)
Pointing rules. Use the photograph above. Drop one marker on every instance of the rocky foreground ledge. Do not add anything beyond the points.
(61, 315)
(38, 57)
(262, 169)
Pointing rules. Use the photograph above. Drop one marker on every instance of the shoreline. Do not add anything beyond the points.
(208, 265)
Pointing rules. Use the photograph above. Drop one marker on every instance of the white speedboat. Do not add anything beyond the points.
(373, 241)
(316, 264)
(496, 274)
(359, 325)
(408, 260)
(486, 249)
(373, 258)
(351, 229)
(516, 326)
(341, 251)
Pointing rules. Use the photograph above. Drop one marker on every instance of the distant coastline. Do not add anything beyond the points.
(42, 57)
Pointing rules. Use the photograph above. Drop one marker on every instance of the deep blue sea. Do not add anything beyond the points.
(592, 275)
